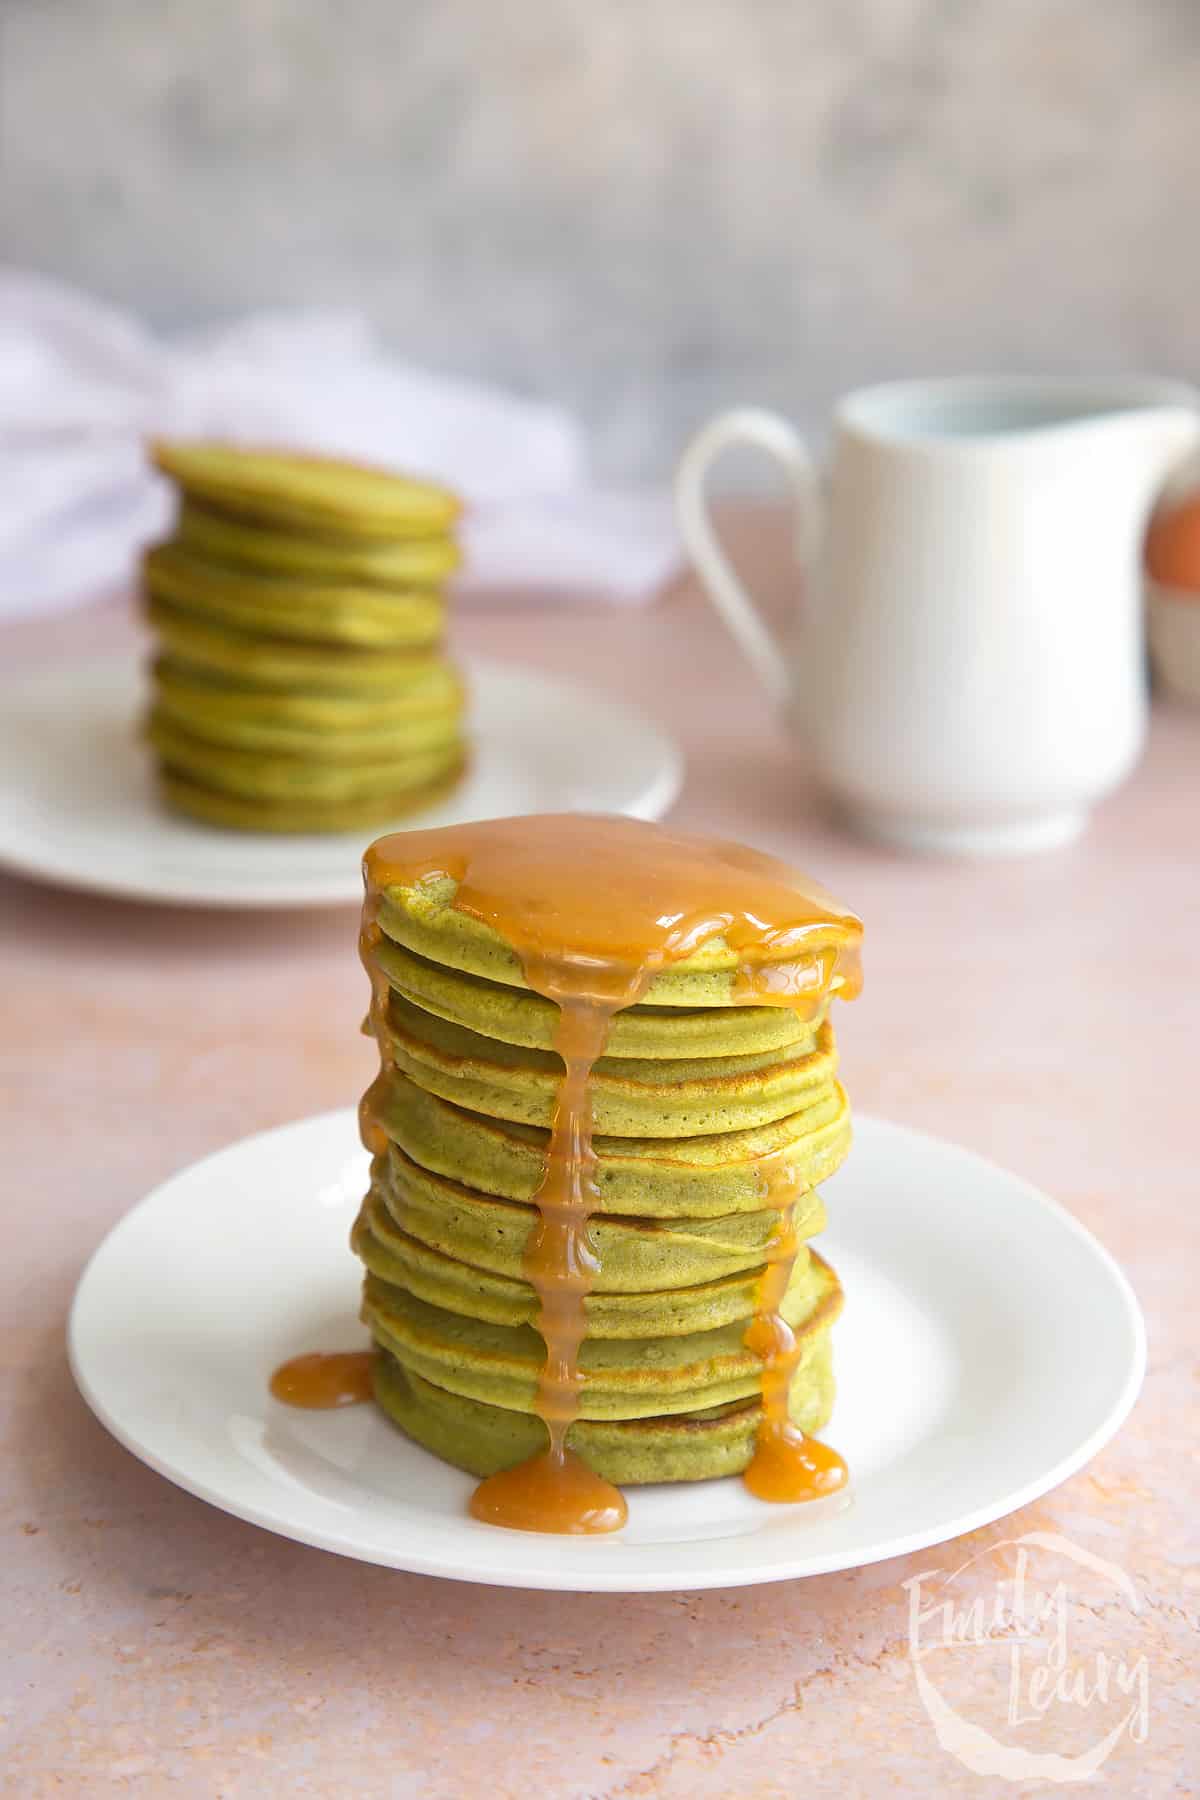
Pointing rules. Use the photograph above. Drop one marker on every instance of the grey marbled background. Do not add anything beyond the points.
(643, 207)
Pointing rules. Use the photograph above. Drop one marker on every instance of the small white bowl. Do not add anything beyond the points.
(1173, 621)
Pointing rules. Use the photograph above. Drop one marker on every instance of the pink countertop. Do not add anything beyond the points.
(1042, 1011)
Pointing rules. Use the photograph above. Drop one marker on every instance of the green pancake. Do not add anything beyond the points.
(279, 663)
(519, 1016)
(287, 606)
(320, 494)
(444, 1282)
(434, 690)
(621, 1378)
(703, 1177)
(241, 719)
(302, 818)
(695, 1446)
(490, 1236)
(711, 1102)
(318, 781)
(642, 1098)
(423, 918)
(299, 685)
(404, 563)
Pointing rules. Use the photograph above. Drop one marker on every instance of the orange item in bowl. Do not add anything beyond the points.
(1173, 594)
(1173, 544)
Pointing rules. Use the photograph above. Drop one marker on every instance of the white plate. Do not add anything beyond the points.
(989, 1347)
(78, 806)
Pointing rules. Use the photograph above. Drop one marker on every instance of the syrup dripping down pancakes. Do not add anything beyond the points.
(607, 1092)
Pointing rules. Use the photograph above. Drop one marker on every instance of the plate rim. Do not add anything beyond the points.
(656, 801)
(546, 1579)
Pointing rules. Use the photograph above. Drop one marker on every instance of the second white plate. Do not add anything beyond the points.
(78, 806)
(988, 1348)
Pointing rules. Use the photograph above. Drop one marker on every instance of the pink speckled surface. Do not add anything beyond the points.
(1041, 1011)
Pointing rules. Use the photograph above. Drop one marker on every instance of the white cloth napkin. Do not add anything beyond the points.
(82, 386)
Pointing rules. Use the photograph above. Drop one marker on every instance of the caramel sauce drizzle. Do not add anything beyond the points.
(557, 1491)
(595, 908)
(787, 1465)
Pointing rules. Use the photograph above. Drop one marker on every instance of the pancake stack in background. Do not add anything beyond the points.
(695, 1095)
(300, 683)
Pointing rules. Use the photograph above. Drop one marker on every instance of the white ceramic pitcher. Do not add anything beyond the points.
(970, 670)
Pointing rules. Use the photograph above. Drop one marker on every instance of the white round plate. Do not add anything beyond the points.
(78, 805)
(988, 1348)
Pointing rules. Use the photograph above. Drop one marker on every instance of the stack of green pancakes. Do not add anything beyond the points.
(300, 683)
(695, 1096)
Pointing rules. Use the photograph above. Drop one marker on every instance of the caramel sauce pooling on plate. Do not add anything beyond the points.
(594, 908)
(324, 1379)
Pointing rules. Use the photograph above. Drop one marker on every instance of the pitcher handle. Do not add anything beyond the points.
(765, 431)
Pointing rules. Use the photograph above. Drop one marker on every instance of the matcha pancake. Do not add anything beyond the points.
(319, 494)
(299, 684)
(290, 665)
(292, 606)
(402, 563)
(458, 1287)
(629, 1097)
(607, 1090)
(242, 719)
(634, 1256)
(432, 687)
(663, 1178)
(233, 812)
(694, 1446)
(422, 917)
(255, 776)
(519, 1016)
(621, 1378)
